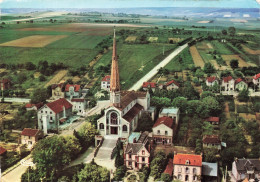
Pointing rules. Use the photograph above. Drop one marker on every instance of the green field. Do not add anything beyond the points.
(176, 65)
(221, 47)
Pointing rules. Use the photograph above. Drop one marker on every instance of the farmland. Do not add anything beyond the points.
(198, 61)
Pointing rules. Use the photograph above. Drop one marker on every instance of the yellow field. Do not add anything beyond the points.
(241, 62)
(34, 41)
(57, 78)
(198, 61)
(153, 39)
(131, 39)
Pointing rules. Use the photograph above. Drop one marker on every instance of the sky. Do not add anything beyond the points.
(126, 3)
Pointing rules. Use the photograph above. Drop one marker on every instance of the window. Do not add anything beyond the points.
(158, 132)
(50, 118)
(186, 178)
(187, 170)
(30, 142)
(143, 159)
(166, 132)
(46, 112)
(29, 137)
(130, 163)
(194, 178)
(179, 169)
(179, 176)
(101, 126)
(129, 156)
(194, 170)
(143, 152)
(41, 111)
(124, 128)
(113, 118)
(187, 162)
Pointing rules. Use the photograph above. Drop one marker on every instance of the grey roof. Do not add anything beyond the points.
(247, 164)
(209, 169)
(143, 136)
(133, 148)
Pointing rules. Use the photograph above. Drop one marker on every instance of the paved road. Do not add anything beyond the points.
(154, 71)
(21, 100)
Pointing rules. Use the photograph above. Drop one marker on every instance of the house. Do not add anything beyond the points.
(171, 85)
(30, 107)
(210, 171)
(105, 83)
(57, 91)
(5, 84)
(211, 81)
(213, 120)
(137, 151)
(121, 117)
(52, 114)
(30, 136)
(246, 168)
(72, 91)
(2, 151)
(171, 112)
(164, 129)
(211, 141)
(240, 84)
(228, 83)
(148, 85)
(187, 167)
(79, 106)
(256, 80)
(169, 167)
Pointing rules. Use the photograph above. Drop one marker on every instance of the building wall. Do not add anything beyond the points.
(162, 128)
(257, 81)
(105, 86)
(138, 160)
(172, 87)
(234, 170)
(228, 85)
(217, 146)
(171, 115)
(180, 171)
(210, 84)
(80, 107)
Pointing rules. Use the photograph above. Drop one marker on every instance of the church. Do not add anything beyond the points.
(121, 117)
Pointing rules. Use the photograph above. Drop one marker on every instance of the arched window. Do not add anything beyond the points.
(124, 128)
(113, 118)
(101, 126)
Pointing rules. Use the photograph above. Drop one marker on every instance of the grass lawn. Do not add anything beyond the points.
(221, 47)
(187, 62)
(206, 57)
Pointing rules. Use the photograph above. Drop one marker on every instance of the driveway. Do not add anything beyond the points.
(154, 71)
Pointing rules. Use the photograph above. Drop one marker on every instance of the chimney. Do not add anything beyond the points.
(64, 112)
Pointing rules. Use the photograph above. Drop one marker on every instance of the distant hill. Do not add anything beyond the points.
(188, 12)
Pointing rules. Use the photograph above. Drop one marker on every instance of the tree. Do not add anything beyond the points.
(21, 78)
(30, 66)
(166, 177)
(209, 107)
(199, 73)
(209, 68)
(39, 95)
(73, 146)
(224, 32)
(86, 135)
(158, 164)
(145, 123)
(243, 95)
(93, 173)
(181, 103)
(189, 92)
(232, 31)
(42, 78)
(234, 63)
(120, 173)
(50, 156)
(210, 155)
(160, 102)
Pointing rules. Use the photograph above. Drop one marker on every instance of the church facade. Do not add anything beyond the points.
(121, 117)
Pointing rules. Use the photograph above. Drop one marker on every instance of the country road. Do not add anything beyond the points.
(154, 71)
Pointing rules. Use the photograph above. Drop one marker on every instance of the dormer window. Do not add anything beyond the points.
(187, 162)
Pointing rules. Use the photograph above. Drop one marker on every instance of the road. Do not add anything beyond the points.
(154, 71)
(21, 100)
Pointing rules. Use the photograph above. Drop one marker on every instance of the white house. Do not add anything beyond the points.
(246, 169)
(105, 83)
(52, 114)
(171, 85)
(171, 112)
(256, 80)
(30, 136)
(79, 106)
(240, 84)
(228, 83)
(72, 91)
(164, 129)
(187, 167)
(147, 85)
(210, 81)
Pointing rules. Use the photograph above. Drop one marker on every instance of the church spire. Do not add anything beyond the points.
(114, 81)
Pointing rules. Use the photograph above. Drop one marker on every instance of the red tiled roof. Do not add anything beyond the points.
(147, 84)
(77, 100)
(256, 76)
(227, 79)
(164, 120)
(76, 87)
(106, 79)
(29, 105)
(57, 105)
(169, 167)
(239, 80)
(194, 160)
(38, 105)
(129, 116)
(2, 150)
(29, 132)
(213, 119)
(172, 81)
(211, 139)
(211, 79)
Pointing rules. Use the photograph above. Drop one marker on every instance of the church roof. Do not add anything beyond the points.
(128, 96)
(130, 115)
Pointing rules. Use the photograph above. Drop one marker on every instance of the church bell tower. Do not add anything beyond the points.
(114, 79)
